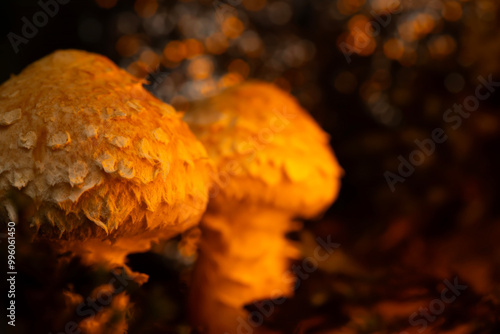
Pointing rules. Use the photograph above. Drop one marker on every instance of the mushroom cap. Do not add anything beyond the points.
(267, 150)
(98, 154)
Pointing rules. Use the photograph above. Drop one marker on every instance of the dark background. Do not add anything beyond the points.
(397, 247)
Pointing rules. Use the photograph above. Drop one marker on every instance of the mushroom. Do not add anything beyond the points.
(108, 167)
(274, 164)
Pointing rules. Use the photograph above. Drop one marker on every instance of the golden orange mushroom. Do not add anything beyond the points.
(274, 164)
(109, 167)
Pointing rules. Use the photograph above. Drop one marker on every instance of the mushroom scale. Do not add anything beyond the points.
(106, 164)
(274, 164)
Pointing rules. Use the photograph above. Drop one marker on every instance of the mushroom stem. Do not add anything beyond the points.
(244, 257)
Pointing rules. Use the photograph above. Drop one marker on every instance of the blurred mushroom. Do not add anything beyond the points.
(109, 168)
(274, 164)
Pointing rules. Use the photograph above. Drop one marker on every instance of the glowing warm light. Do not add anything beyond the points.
(200, 68)
(358, 22)
(424, 24)
(421, 25)
(128, 45)
(407, 32)
(150, 58)
(193, 48)
(359, 39)
(394, 48)
(232, 27)
(175, 51)
(385, 6)
(208, 87)
(441, 46)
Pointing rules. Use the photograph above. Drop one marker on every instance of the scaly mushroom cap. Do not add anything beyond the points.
(267, 149)
(96, 152)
